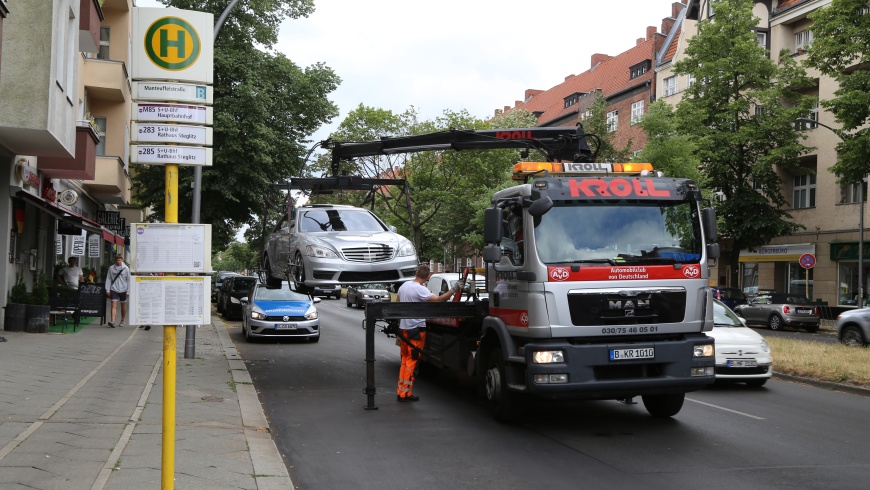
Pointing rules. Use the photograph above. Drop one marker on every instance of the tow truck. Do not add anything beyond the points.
(597, 278)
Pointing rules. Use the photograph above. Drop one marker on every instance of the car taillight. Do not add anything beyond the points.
(786, 309)
(816, 311)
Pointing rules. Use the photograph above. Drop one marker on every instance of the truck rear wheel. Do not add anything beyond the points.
(663, 405)
(504, 405)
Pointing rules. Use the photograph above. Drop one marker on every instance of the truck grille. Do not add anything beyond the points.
(372, 253)
(627, 306)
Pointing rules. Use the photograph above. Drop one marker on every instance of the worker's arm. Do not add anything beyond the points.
(447, 294)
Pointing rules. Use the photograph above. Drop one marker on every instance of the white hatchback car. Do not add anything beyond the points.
(741, 353)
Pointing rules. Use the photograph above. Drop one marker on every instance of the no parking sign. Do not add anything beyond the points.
(808, 261)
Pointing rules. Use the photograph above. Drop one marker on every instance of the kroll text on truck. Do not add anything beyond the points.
(597, 278)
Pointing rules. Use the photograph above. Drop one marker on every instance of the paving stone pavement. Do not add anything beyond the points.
(84, 410)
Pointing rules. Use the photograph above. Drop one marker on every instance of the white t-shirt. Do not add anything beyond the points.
(71, 276)
(413, 292)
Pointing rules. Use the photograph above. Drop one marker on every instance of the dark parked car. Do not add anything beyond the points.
(328, 290)
(361, 294)
(233, 290)
(730, 296)
(216, 280)
(778, 310)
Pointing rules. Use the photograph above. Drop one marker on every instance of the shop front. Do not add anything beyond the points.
(777, 267)
(845, 255)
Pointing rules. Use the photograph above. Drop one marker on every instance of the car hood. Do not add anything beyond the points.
(279, 307)
(856, 312)
(358, 239)
(735, 336)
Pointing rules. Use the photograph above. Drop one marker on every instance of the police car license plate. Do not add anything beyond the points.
(285, 326)
(742, 363)
(628, 354)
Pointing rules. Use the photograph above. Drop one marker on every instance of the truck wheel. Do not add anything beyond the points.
(504, 405)
(663, 405)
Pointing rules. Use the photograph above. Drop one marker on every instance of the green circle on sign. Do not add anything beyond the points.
(182, 58)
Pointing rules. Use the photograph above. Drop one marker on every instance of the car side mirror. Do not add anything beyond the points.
(317, 299)
(244, 300)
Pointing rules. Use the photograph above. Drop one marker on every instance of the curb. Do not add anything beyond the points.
(855, 390)
(270, 472)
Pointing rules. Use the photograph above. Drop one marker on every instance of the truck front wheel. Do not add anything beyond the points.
(504, 405)
(663, 405)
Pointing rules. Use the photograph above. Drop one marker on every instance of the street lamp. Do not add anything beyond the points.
(860, 216)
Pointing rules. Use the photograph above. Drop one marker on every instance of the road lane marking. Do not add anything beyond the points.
(725, 409)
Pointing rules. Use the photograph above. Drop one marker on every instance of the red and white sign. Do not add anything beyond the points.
(625, 272)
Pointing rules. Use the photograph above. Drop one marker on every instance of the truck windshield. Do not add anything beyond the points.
(646, 232)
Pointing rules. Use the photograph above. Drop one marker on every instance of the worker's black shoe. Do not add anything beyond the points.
(412, 398)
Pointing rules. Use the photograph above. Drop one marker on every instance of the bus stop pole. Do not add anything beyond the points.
(167, 470)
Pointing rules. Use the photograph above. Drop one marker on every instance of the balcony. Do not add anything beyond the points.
(90, 18)
(106, 80)
(81, 167)
(112, 183)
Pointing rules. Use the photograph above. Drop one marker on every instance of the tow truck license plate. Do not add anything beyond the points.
(285, 326)
(742, 363)
(627, 354)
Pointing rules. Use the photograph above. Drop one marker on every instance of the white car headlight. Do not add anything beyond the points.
(406, 249)
(764, 346)
(311, 314)
(320, 252)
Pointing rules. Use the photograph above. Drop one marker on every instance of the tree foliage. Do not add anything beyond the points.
(740, 114)
(839, 51)
(265, 108)
(602, 140)
(666, 149)
(238, 257)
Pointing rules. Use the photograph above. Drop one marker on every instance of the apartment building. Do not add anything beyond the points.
(64, 132)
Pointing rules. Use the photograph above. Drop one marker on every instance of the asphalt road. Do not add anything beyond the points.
(784, 435)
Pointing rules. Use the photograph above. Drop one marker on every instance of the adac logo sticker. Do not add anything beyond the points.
(172, 44)
(692, 271)
(559, 274)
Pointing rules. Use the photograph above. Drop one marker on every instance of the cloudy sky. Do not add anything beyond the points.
(477, 55)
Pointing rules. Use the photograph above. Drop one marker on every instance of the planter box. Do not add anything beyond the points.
(14, 317)
(37, 318)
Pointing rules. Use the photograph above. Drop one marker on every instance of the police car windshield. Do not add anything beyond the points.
(647, 232)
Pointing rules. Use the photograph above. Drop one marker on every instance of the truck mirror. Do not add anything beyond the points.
(709, 222)
(492, 226)
(541, 206)
(492, 254)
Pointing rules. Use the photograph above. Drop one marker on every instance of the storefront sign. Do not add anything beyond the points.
(848, 251)
(78, 246)
(94, 242)
(68, 197)
(790, 252)
(27, 174)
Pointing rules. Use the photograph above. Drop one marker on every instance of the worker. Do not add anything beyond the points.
(412, 331)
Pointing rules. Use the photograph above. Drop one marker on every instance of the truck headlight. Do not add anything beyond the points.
(548, 356)
(705, 350)
(320, 252)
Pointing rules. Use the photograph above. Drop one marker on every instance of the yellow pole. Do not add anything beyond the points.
(169, 354)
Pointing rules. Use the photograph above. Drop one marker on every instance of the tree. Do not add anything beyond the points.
(601, 141)
(842, 34)
(666, 149)
(240, 257)
(740, 115)
(265, 109)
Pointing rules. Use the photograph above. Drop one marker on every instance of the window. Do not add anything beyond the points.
(571, 100)
(710, 9)
(804, 191)
(690, 80)
(813, 115)
(612, 121)
(761, 39)
(639, 69)
(847, 291)
(585, 115)
(103, 53)
(101, 131)
(760, 110)
(636, 112)
(468, 262)
(802, 41)
(670, 86)
(849, 193)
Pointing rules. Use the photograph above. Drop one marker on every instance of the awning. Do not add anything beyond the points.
(790, 252)
(112, 238)
(61, 214)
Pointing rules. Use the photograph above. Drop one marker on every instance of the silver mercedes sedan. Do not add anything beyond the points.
(329, 243)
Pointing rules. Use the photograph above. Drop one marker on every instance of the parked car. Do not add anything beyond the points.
(359, 295)
(233, 290)
(730, 296)
(328, 244)
(216, 280)
(442, 282)
(741, 353)
(778, 310)
(327, 290)
(280, 312)
(853, 327)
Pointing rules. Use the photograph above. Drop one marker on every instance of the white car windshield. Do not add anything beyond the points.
(318, 220)
(724, 317)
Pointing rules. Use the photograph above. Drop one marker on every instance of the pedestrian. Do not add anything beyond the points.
(117, 285)
(412, 331)
(72, 274)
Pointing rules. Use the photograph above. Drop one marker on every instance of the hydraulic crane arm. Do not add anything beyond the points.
(566, 143)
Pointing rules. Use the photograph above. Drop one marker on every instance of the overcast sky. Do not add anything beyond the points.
(477, 55)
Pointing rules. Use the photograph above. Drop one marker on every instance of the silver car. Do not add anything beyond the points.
(779, 310)
(853, 327)
(327, 244)
(362, 294)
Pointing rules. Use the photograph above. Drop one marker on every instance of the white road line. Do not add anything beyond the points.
(725, 409)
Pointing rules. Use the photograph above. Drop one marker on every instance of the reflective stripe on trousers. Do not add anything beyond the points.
(409, 364)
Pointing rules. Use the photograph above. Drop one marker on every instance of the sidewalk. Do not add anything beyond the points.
(85, 411)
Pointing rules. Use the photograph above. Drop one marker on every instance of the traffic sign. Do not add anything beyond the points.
(171, 155)
(808, 261)
(170, 91)
(173, 113)
(170, 133)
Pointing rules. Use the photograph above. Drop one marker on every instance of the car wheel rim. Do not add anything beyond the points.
(852, 338)
(299, 273)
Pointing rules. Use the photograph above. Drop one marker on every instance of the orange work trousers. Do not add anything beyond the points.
(409, 363)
